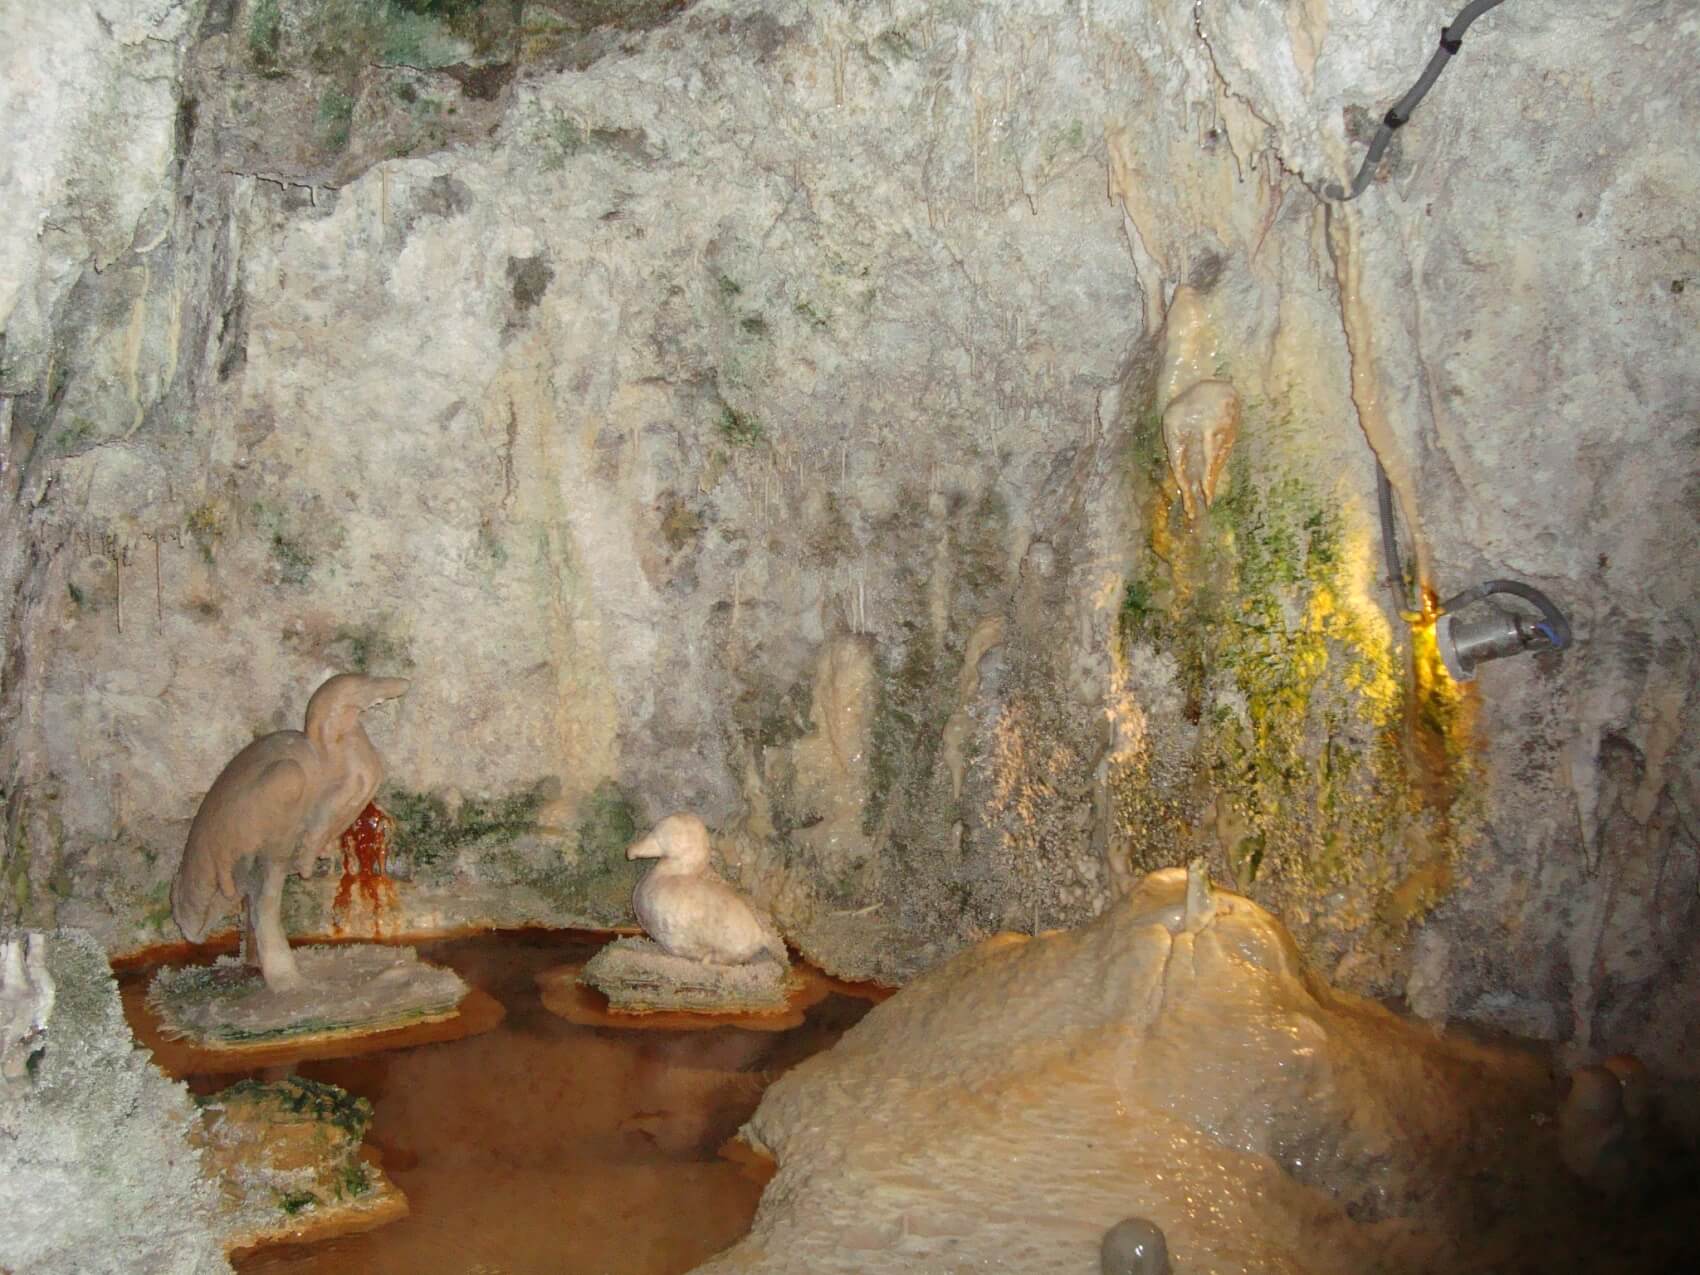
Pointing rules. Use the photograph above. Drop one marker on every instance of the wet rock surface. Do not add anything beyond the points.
(1197, 1075)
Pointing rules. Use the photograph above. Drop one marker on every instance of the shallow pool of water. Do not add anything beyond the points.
(545, 1146)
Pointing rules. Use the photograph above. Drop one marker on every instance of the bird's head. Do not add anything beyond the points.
(336, 706)
(681, 840)
(195, 899)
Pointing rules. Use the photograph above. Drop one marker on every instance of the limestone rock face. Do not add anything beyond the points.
(756, 408)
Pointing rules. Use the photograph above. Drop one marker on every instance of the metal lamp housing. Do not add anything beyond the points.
(1466, 644)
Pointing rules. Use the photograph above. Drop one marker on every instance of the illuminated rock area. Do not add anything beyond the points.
(1174, 1063)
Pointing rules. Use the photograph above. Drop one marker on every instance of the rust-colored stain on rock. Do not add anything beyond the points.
(365, 861)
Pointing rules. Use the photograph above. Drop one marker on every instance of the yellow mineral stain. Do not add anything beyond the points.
(1366, 388)
(1439, 726)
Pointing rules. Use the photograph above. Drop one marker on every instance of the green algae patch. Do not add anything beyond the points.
(1269, 720)
(287, 1159)
(607, 823)
(207, 524)
(434, 837)
(296, 1099)
(580, 873)
(341, 36)
(575, 868)
(910, 707)
(740, 429)
(598, 883)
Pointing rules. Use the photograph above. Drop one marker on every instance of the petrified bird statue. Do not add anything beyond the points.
(279, 804)
(684, 905)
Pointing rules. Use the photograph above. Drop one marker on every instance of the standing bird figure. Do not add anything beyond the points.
(685, 907)
(279, 804)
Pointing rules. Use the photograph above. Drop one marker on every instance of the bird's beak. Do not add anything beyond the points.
(647, 848)
(386, 688)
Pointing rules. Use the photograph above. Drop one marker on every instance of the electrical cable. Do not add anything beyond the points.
(1552, 626)
(1390, 540)
(1451, 39)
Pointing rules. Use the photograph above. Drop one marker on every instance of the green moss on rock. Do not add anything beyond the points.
(594, 885)
(206, 525)
(433, 838)
(607, 823)
(303, 909)
(910, 708)
(370, 646)
(297, 1098)
(1286, 761)
(740, 429)
(265, 35)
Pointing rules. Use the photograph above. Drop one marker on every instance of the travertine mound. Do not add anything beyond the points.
(1007, 1108)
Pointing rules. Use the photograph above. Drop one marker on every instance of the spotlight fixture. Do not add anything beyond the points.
(1466, 644)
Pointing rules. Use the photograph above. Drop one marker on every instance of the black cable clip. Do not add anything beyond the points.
(1450, 42)
(1393, 119)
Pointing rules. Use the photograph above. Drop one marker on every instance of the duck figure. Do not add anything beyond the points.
(687, 909)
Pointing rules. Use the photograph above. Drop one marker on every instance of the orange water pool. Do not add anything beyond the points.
(542, 1146)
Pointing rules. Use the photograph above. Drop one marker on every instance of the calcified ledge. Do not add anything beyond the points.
(638, 977)
(290, 1164)
(347, 989)
(572, 991)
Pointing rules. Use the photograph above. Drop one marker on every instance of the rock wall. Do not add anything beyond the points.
(759, 411)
